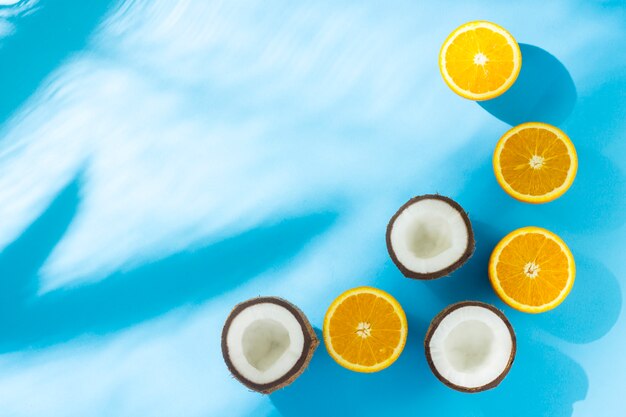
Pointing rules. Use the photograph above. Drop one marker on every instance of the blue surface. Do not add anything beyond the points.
(161, 161)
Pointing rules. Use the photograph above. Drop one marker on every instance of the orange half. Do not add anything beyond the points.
(480, 60)
(365, 329)
(535, 162)
(532, 270)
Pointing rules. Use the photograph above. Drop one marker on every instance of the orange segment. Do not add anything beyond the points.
(532, 270)
(480, 60)
(365, 329)
(535, 162)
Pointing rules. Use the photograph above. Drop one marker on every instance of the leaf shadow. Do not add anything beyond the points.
(44, 39)
(123, 299)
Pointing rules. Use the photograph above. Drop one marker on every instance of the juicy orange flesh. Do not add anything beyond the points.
(477, 78)
(523, 255)
(516, 161)
(384, 329)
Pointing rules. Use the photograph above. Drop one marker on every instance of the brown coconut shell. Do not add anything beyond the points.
(469, 250)
(435, 323)
(310, 344)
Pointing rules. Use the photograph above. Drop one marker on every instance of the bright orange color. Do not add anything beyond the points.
(480, 60)
(535, 162)
(532, 270)
(365, 329)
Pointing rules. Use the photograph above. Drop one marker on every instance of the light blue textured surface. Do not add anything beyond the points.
(161, 161)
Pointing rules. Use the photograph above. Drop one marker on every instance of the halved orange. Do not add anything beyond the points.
(532, 270)
(535, 162)
(480, 60)
(365, 329)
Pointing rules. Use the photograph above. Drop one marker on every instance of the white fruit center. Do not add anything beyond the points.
(264, 342)
(480, 59)
(468, 345)
(363, 329)
(429, 236)
(471, 346)
(531, 270)
(536, 162)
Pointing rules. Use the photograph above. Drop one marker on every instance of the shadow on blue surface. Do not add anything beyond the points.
(543, 381)
(44, 38)
(551, 382)
(597, 289)
(575, 213)
(340, 392)
(543, 92)
(123, 299)
(596, 200)
(469, 282)
(409, 388)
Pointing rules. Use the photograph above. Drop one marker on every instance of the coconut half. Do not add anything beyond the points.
(470, 346)
(267, 342)
(430, 237)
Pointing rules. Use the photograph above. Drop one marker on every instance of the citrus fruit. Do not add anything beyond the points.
(480, 60)
(365, 329)
(532, 270)
(535, 162)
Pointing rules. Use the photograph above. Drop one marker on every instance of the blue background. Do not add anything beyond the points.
(161, 161)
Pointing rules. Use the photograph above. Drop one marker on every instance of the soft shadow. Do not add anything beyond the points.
(588, 207)
(535, 386)
(539, 369)
(21, 260)
(596, 200)
(123, 299)
(591, 309)
(43, 39)
(543, 92)
(543, 382)
(470, 281)
(327, 389)
(409, 388)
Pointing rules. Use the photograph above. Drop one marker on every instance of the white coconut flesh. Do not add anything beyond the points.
(471, 347)
(264, 342)
(428, 236)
